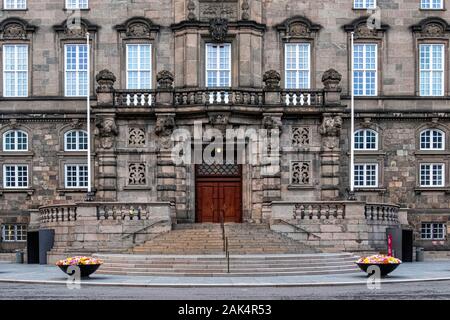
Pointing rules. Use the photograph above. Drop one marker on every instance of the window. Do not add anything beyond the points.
(432, 139)
(366, 140)
(365, 69)
(298, 65)
(14, 232)
(218, 65)
(75, 140)
(15, 70)
(431, 4)
(432, 175)
(15, 176)
(364, 4)
(139, 66)
(366, 175)
(14, 5)
(76, 176)
(76, 4)
(76, 56)
(431, 69)
(15, 140)
(433, 231)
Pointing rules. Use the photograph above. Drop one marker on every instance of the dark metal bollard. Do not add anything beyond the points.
(419, 254)
(19, 256)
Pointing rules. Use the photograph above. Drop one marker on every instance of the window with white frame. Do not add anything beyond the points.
(432, 66)
(15, 70)
(139, 66)
(432, 139)
(15, 140)
(77, 4)
(366, 175)
(366, 139)
(364, 4)
(75, 140)
(218, 65)
(76, 175)
(15, 176)
(14, 232)
(431, 4)
(76, 65)
(432, 175)
(433, 231)
(298, 65)
(365, 69)
(14, 4)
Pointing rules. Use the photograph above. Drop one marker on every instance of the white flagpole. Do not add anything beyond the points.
(88, 119)
(352, 120)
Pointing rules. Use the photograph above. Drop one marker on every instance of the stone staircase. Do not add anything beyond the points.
(243, 238)
(198, 250)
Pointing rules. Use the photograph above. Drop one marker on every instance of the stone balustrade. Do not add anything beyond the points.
(124, 211)
(318, 210)
(134, 98)
(302, 98)
(381, 212)
(58, 213)
(218, 96)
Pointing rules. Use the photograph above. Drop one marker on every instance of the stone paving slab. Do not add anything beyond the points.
(407, 272)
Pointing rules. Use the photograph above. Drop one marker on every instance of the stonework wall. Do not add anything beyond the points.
(309, 169)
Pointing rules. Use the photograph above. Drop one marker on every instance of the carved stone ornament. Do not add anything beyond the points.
(219, 119)
(300, 173)
(165, 79)
(136, 137)
(210, 9)
(105, 80)
(300, 137)
(107, 130)
(165, 125)
(76, 124)
(363, 31)
(191, 8)
(331, 126)
(218, 29)
(75, 31)
(137, 30)
(299, 30)
(272, 79)
(14, 31)
(331, 79)
(136, 174)
(13, 124)
(245, 7)
(272, 123)
(433, 30)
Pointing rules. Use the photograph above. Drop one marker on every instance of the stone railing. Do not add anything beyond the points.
(124, 211)
(381, 212)
(58, 213)
(302, 98)
(134, 98)
(222, 96)
(319, 210)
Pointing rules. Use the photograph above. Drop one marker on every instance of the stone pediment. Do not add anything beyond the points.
(433, 27)
(364, 28)
(15, 29)
(75, 28)
(138, 28)
(298, 27)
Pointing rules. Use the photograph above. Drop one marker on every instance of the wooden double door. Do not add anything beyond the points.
(217, 197)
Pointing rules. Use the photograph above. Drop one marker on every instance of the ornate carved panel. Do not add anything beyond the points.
(136, 137)
(301, 136)
(300, 173)
(138, 28)
(433, 27)
(136, 174)
(210, 9)
(15, 29)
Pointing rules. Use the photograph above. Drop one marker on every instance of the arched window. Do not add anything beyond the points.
(75, 140)
(15, 140)
(366, 139)
(432, 139)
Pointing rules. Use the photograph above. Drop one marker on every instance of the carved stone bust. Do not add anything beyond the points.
(165, 79)
(272, 79)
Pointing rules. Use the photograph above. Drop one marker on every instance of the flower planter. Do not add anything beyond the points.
(385, 269)
(386, 264)
(87, 265)
(85, 270)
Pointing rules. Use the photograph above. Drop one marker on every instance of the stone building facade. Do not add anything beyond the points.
(252, 89)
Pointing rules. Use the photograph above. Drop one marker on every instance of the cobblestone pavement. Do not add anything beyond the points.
(422, 290)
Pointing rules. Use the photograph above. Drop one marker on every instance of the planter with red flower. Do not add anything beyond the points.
(385, 263)
(87, 265)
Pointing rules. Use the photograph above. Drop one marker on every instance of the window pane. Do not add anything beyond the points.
(218, 65)
(297, 65)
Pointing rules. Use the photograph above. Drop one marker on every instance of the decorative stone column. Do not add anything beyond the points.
(106, 134)
(330, 131)
(166, 174)
(272, 90)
